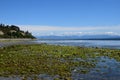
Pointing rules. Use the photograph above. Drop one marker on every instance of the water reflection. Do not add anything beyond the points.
(106, 69)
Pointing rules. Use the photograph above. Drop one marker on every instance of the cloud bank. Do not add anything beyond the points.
(82, 30)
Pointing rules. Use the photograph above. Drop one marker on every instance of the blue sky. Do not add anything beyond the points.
(49, 17)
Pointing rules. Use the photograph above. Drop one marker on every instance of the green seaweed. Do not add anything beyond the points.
(50, 59)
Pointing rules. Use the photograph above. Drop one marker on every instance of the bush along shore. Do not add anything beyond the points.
(38, 61)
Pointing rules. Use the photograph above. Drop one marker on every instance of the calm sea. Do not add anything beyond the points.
(115, 44)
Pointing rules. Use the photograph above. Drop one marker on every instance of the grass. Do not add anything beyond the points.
(53, 60)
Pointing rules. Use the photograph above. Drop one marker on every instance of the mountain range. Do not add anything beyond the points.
(83, 37)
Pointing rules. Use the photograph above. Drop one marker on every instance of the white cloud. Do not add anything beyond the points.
(112, 33)
(55, 28)
(82, 30)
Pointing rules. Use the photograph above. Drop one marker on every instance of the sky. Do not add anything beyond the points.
(62, 17)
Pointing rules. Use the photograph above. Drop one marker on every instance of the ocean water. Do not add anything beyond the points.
(115, 44)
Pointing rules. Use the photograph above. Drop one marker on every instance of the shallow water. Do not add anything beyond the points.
(115, 44)
(106, 69)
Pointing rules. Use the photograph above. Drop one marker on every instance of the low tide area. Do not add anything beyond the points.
(58, 62)
(112, 44)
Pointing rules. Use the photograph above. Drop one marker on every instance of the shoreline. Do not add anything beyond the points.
(3, 39)
(10, 42)
(22, 41)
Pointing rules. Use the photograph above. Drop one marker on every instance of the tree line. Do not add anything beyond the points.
(12, 31)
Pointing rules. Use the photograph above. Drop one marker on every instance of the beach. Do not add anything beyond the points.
(9, 42)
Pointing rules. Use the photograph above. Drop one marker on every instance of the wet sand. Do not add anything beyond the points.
(9, 42)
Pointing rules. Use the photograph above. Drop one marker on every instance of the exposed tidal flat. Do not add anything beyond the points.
(55, 62)
(8, 42)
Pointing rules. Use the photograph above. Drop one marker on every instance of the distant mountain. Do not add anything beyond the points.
(12, 31)
(81, 37)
